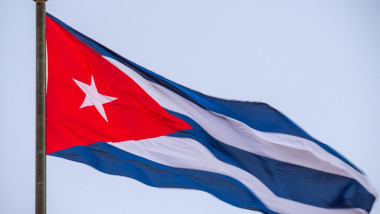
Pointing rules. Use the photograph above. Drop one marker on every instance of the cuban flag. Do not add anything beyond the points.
(122, 119)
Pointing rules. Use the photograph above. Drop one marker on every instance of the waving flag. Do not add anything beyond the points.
(122, 119)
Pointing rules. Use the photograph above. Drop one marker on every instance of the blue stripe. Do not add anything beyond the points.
(286, 180)
(111, 160)
(259, 116)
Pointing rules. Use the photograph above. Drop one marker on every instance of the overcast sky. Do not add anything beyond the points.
(318, 62)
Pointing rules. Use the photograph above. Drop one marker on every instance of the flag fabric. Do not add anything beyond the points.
(122, 119)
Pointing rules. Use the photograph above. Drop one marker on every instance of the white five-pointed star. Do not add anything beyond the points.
(93, 98)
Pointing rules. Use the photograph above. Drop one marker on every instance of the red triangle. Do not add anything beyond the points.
(133, 116)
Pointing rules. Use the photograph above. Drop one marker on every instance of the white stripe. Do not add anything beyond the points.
(190, 154)
(282, 147)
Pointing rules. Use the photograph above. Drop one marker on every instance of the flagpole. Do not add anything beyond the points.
(40, 200)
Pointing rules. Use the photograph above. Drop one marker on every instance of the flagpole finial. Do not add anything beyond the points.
(40, 1)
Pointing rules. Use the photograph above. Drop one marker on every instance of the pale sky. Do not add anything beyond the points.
(318, 62)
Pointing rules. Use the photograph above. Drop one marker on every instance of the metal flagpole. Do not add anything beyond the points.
(40, 199)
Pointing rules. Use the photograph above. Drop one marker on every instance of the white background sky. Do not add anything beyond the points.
(318, 62)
